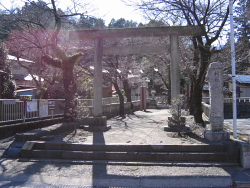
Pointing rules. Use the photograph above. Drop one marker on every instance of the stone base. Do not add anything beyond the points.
(96, 128)
(177, 129)
(173, 123)
(96, 124)
(214, 136)
(97, 121)
(152, 104)
(174, 127)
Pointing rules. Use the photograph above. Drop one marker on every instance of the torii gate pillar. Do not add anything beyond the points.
(97, 103)
(174, 67)
(97, 122)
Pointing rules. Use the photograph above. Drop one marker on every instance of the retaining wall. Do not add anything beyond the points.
(12, 129)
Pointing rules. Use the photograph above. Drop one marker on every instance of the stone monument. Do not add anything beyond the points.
(215, 130)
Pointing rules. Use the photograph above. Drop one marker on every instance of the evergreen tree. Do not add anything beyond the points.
(90, 22)
(122, 23)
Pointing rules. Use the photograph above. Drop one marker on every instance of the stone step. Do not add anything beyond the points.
(192, 153)
(133, 163)
(36, 134)
(129, 148)
(131, 156)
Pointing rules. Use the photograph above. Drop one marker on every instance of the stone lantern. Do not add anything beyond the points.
(153, 94)
(153, 103)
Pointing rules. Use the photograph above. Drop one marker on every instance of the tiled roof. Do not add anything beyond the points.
(243, 78)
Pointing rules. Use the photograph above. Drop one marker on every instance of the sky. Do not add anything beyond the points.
(105, 9)
(108, 9)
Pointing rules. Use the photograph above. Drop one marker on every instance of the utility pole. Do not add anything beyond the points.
(233, 69)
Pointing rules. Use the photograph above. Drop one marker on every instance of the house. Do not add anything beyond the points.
(20, 72)
(31, 91)
(21, 76)
(242, 85)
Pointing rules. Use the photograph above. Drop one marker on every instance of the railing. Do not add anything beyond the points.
(240, 99)
(13, 109)
(228, 100)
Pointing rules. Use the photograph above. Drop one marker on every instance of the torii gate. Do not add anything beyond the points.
(98, 34)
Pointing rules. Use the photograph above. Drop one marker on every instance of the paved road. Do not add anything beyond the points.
(243, 125)
(46, 174)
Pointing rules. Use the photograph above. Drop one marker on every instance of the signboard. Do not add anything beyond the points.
(31, 106)
(43, 108)
(52, 104)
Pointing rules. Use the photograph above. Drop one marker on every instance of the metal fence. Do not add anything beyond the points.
(14, 109)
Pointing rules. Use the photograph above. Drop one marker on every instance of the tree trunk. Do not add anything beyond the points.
(168, 86)
(70, 90)
(121, 98)
(127, 89)
(191, 100)
(198, 81)
(197, 99)
(169, 89)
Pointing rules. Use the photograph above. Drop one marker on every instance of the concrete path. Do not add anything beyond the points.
(139, 128)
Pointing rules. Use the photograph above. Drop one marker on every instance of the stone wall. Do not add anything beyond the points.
(206, 109)
(243, 110)
(111, 110)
